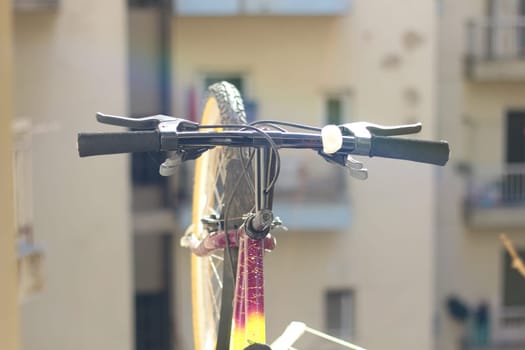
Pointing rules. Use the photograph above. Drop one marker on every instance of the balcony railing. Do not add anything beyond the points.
(310, 195)
(496, 346)
(513, 316)
(496, 196)
(308, 178)
(261, 7)
(492, 188)
(496, 49)
(492, 38)
(508, 332)
(35, 5)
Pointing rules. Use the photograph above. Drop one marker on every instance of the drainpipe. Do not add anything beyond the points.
(166, 15)
(9, 309)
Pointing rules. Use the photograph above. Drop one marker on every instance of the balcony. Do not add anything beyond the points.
(35, 5)
(261, 7)
(496, 346)
(496, 50)
(310, 195)
(496, 197)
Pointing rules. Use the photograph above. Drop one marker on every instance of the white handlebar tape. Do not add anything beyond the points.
(332, 139)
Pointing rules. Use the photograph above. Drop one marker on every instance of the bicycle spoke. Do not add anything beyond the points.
(216, 272)
(216, 308)
(217, 257)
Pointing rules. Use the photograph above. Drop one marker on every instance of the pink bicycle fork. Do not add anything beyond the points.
(248, 323)
(248, 311)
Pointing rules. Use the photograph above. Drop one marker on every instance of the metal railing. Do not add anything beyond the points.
(304, 178)
(495, 346)
(498, 338)
(491, 187)
(496, 38)
(513, 316)
(261, 7)
(35, 5)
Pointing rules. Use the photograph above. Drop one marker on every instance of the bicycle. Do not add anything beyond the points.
(237, 166)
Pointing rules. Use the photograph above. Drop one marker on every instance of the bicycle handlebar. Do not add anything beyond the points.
(430, 152)
(91, 144)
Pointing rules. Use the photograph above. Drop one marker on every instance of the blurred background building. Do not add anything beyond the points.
(409, 259)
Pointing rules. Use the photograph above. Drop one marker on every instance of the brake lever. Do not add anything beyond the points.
(360, 128)
(363, 132)
(168, 167)
(355, 167)
(148, 123)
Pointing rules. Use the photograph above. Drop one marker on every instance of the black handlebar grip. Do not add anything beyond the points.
(92, 144)
(432, 152)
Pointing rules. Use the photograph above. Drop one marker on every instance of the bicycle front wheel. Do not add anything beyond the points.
(222, 190)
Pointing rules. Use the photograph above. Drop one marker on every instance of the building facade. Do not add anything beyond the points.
(408, 259)
(70, 62)
(480, 107)
(378, 265)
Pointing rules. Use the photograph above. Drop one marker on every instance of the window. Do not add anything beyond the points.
(144, 3)
(515, 136)
(339, 313)
(513, 182)
(334, 110)
(513, 292)
(153, 261)
(235, 79)
(337, 108)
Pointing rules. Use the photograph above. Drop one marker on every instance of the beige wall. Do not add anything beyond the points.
(301, 59)
(71, 63)
(291, 63)
(394, 210)
(486, 106)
